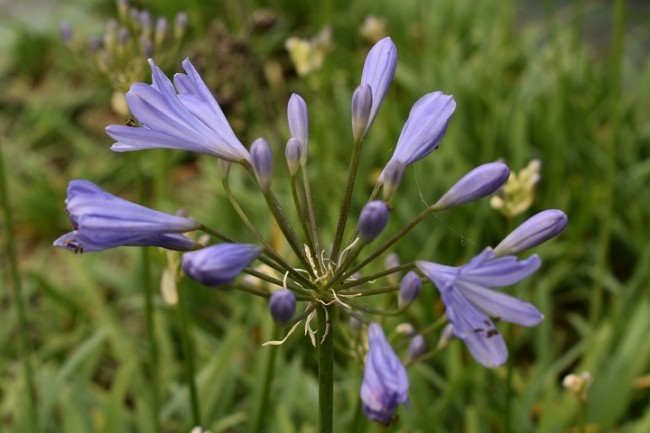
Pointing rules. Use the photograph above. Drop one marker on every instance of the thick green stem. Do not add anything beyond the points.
(347, 196)
(189, 357)
(261, 407)
(19, 301)
(325, 339)
(154, 377)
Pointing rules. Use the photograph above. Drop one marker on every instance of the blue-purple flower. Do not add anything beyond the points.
(102, 220)
(183, 115)
(478, 183)
(424, 128)
(219, 264)
(385, 382)
(532, 232)
(373, 220)
(378, 71)
(282, 305)
(471, 304)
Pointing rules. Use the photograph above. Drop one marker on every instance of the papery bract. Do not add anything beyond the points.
(470, 301)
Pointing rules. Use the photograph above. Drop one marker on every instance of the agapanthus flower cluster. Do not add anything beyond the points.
(322, 273)
(120, 53)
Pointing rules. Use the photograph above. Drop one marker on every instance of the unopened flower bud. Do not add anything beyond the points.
(144, 18)
(361, 106)
(532, 232)
(478, 183)
(405, 329)
(146, 46)
(392, 261)
(123, 35)
(282, 306)
(180, 25)
(391, 177)
(293, 153)
(161, 31)
(446, 336)
(409, 289)
(299, 123)
(355, 324)
(578, 384)
(219, 264)
(66, 33)
(417, 347)
(373, 220)
(262, 163)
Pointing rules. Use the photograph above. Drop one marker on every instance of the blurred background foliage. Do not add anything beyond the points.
(566, 82)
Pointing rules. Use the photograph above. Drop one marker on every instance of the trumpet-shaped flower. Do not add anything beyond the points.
(183, 115)
(470, 301)
(378, 71)
(219, 264)
(385, 382)
(103, 221)
(424, 128)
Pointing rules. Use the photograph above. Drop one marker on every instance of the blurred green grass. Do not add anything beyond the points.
(529, 81)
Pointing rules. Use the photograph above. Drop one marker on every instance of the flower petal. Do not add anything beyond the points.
(477, 331)
(500, 305)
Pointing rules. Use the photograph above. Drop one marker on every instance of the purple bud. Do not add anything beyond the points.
(123, 35)
(144, 18)
(417, 347)
(391, 177)
(219, 264)
(361, 106)
(262, 163)
(378, 71)
(293, 153)
(180, 24)
(299, 122)
(94, 44)
(66, 33)
(282, 306)
(146, 46)
(385, 382)
(355, 324)
(424, 129)
(409, 289)
(161, 30)
(478, 183)
(373, 220)
(532, 232)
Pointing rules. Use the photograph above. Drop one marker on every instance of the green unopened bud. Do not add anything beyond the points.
(293, 153)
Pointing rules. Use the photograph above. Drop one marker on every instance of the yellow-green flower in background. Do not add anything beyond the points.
(308, 56)
(518, 193)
